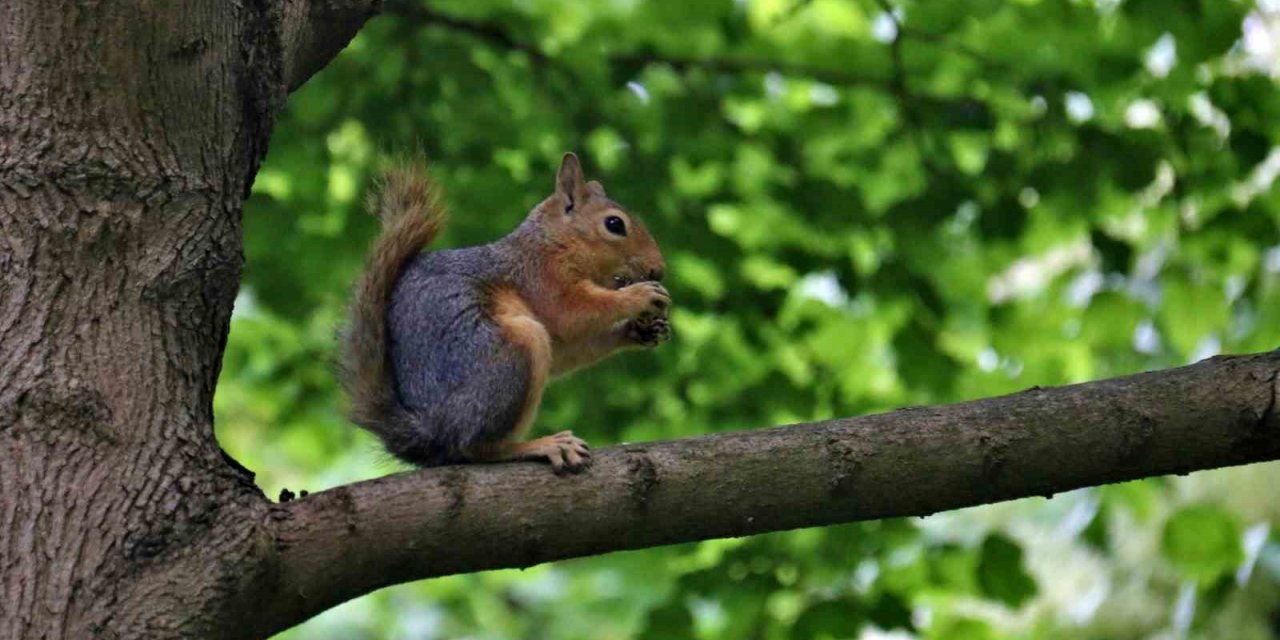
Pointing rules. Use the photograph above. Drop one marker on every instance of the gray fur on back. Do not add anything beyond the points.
(459, 381)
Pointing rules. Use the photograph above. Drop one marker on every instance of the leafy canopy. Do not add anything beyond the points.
(863, 205)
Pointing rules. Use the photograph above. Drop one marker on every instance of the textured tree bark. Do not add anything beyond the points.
(129, 135)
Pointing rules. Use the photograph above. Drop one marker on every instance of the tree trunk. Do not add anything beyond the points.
(129, 135)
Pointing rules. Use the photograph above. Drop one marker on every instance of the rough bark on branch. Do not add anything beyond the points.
(342, 543)
(316, 30)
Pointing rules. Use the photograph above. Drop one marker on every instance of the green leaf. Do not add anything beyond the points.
(671, 620)
(890, 611)
(1203, 542)
(1139, 497)
(1095, 534)
(1191, 312)
(962, 629)
(829, 619)
(1001, 574)
(954, 568)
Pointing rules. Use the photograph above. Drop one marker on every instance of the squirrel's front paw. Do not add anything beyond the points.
(651, 298)
(649, 331)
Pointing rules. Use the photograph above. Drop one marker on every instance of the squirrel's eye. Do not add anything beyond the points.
(615, 225)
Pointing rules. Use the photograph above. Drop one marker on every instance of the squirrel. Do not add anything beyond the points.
(447, 352)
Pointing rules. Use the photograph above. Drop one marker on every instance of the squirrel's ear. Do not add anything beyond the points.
(570, 183)
(596, 189)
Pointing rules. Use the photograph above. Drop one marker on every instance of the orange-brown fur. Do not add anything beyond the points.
(577, 301)
(522, 328)
(409, 207)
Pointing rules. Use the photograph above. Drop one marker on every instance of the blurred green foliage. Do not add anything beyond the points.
(864, 205)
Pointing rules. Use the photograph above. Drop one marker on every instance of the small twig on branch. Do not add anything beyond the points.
(907, 99)
(756, 65)
(493, 33)
(913, 33)
(498, 35)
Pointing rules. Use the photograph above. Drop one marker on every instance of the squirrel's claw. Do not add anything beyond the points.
(649, 331)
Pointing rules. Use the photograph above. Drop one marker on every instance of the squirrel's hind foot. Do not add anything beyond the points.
(566, 452)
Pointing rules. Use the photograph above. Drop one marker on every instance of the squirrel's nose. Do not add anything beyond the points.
(656, 275)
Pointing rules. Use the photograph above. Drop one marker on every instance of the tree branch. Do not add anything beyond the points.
(738, 64)
(347, 541)
(491, 32)
(907, 100)
(316, 30)
(498, 35)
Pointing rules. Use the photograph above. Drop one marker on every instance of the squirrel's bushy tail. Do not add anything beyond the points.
(408, 204)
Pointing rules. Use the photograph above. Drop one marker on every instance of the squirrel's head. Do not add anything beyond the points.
(594, 234)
